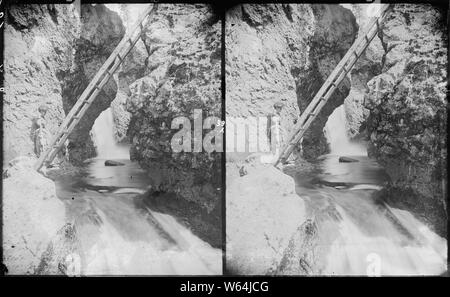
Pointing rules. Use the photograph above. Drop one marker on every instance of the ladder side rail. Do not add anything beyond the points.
(73, 121)
(109, 62)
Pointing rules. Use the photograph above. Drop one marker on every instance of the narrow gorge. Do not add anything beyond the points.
(154, 211)
(363, 192)
(321, 216)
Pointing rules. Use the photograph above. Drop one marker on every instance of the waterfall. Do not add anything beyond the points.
(102, 134)
(337, 137)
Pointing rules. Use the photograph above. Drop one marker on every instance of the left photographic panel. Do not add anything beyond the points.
(112, 141)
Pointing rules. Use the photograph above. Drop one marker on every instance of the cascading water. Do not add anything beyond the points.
(357, 234)
(336, 133)
(117, 235)
(103, 136)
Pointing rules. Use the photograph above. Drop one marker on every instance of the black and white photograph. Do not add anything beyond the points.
(336, 139)
(92, 184)
(224, 148)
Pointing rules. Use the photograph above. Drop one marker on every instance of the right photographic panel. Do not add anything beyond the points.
(336, 139)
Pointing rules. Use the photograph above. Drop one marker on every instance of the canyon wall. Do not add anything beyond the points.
(408, 111)
(368, 65)
(276, 53)
(51, 53)
(182, 74)
(39, 44)
(283, 53)
(101, 31)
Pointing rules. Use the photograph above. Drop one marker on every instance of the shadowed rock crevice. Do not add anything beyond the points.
(335, 31)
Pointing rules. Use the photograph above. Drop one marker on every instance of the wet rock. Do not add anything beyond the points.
(347, 160)
(113, 163)
(368, 65)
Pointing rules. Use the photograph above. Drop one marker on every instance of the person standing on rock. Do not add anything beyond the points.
(41, 135)
(275, 136)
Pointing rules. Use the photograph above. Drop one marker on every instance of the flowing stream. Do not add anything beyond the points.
(357, 233)
(116, 233)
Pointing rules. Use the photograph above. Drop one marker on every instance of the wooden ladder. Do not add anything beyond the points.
(334, 79)
(95, 86)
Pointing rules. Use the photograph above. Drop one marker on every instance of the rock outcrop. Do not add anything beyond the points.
(334, 31)
(34, 222)
(39, 42)
(51, 53)
(407, 104)
(182, 74)
(101, 31)
(289, 51)
(368, 65)
(276, 53)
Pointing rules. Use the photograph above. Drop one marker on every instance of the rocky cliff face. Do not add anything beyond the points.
(36, 235)
(39, 42)
(289, 51)
(101, 31)
(368, 65)
(335, 31)
(182, 74)
(407, 103)
(51, 53)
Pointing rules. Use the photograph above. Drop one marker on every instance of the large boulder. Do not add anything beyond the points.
(290, 49)
(263, 213)
(182, 74)
(32, 219)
